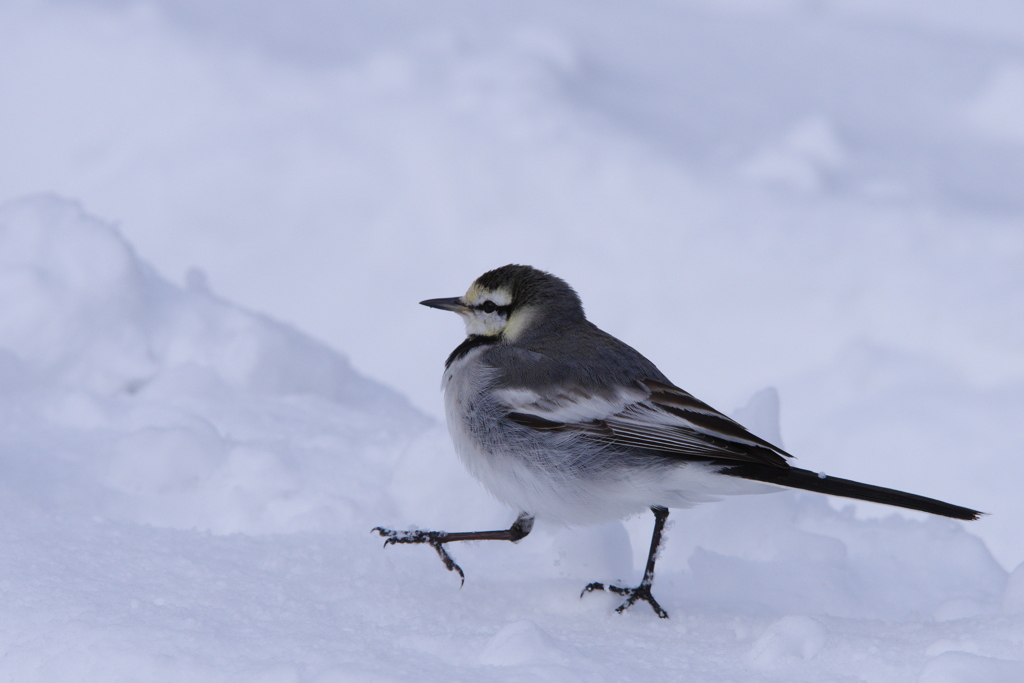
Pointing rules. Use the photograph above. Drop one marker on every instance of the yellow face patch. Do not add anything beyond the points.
(519, 321)
(477, 295)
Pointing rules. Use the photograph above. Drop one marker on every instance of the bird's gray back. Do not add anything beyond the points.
(580, 357)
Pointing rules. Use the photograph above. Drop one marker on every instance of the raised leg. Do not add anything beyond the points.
(643, 591)
(436, 539)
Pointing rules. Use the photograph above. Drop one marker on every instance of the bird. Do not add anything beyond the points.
(563, 422)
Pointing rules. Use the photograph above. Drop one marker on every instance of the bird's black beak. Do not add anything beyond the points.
(452, 304)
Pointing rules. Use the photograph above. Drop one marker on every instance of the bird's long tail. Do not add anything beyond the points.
(797, 478)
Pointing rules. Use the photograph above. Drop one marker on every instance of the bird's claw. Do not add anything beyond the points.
(435, 539)
(641, 592)
(416, 536)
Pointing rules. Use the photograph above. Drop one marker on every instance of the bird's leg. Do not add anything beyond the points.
(643, 591)
(436, 539)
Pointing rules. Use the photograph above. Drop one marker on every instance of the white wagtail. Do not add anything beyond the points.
(562, 421)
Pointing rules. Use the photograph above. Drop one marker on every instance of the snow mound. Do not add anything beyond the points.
(788, 638)
(115, 382)
(78, 306)
(963, 667)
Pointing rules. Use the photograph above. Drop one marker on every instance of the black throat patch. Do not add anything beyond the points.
(470, 343)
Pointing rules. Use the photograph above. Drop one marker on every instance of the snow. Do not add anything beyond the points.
(809, 214)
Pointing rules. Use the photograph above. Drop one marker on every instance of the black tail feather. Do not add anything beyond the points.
(796, 478)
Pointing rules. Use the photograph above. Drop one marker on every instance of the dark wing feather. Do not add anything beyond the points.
(653, 417)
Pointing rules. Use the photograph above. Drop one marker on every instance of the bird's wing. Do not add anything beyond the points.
(651, 416)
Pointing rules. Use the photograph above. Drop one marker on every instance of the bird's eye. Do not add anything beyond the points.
(488, 307)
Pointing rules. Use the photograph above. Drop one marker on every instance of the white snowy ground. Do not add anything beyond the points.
(827, 198)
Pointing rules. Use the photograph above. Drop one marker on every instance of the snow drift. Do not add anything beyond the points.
(137, 416)
(115, 375)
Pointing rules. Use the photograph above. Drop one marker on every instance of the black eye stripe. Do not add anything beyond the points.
(491, 307)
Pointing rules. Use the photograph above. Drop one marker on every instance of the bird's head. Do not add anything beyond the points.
(513, 301)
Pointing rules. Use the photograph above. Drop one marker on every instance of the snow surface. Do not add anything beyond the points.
(821, 197)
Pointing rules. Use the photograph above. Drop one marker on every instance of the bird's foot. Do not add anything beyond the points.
(435, 539)
(641, 592)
